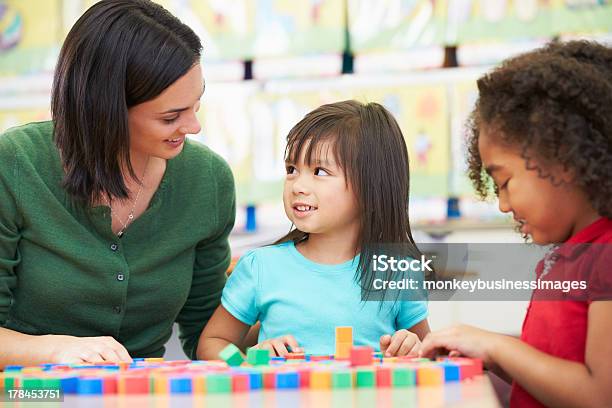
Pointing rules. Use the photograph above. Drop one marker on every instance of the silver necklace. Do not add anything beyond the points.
(549, 260)
(131, 214)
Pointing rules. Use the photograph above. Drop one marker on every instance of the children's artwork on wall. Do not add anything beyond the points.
(226, 128)
(463, 97)
(477, 21)
(393, 25)
(247, 29)
(29, 36)
(422, 114)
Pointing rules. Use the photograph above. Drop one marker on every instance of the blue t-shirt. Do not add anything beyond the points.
(289, 294)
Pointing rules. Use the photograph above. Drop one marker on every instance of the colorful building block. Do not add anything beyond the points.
(218, 384)
(231, 355)
(342, 379)
(403, 377)
(365, 378)
(361, 356)
(320, 379)
(288, 380)
(430, 375)
(258, 357)
(241, 382)
(383, 376)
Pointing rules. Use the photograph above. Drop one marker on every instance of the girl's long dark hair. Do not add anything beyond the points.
(369, 147)
(120, 53)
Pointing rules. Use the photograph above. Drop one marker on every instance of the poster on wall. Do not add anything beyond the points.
(248, 29)
(29, 36)
(393, 25)
(478, 21)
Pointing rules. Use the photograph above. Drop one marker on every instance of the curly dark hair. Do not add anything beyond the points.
(555, 105)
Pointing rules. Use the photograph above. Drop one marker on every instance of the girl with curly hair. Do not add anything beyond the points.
(540, 138)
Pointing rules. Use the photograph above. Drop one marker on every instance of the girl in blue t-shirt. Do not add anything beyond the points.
(346, 192)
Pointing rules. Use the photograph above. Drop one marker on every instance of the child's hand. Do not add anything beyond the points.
(402, 343)
(278, 346)
(460, 340)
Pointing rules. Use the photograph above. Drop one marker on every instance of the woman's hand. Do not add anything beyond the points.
(278, 346)
(402, 343)
(70, 349)
(461, 340)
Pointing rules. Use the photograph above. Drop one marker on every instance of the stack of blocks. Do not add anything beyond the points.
(344, 342)
(356, 368)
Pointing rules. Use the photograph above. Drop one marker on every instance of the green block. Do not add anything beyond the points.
(342, 379)
(365, 378)
(50, 383)
(31, 383)
(231, 355)
(403, 377)
(258, 357)
(11, 381)
(218, 383)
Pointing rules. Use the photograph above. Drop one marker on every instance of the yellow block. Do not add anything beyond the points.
(430, 376)
(320, 380)
(344, 334)
(160, 384)
(154, 360)
(199, 384)
(343, 350)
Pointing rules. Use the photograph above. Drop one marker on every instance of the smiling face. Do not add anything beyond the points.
(317, 197)
(549, 213)
(158, 127)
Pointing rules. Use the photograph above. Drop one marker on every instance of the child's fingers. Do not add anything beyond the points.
(433, 343)
(396, 341)
(385, 340)
(407, 345)
(454, 353)
(279, 347)
(414, 351)
(292, 342)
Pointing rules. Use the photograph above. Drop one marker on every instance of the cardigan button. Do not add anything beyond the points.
(117, 309)
(114, 247)
(120, 277)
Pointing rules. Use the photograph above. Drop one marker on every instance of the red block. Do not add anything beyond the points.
(295, 356)
(468, 367)
(109, 385)
(240, 382)
(304, 375)
(134, 384)
(383, 377)
(361, 356)
(269, 381)
(320, 358)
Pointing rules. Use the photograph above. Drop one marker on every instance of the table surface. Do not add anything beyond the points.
(476, 392)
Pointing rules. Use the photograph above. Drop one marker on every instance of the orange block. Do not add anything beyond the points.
(430, 375)
(320, 380)
(343, 350)
(160, 384)
(199, 384)
(344, 334)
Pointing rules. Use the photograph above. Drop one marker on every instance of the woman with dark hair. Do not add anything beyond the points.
(113, 225)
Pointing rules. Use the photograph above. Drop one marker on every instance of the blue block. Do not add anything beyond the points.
(90, 386)
(451, 372)
(69, 385)
(256, 381)
(138, 359)
(180, 385)
(287, 380)
(12, 368)
(277, 359)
